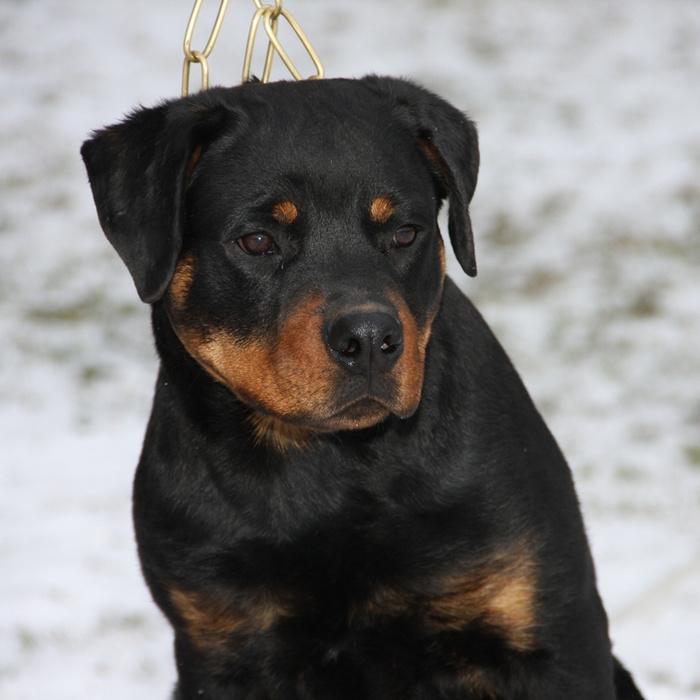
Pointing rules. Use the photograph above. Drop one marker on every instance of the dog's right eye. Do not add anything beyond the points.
(257, 244)
(405, 236)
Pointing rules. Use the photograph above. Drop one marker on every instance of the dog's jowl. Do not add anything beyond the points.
(344, 490)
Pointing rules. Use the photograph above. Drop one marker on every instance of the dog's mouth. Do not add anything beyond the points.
(283, 435)
(366, 410)
(362, 413)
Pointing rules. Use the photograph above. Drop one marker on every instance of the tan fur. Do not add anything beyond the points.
(280, 436)
(432, 153)
(411, 364)
(181, 282)
(290, 375)
(500, 593)
(443, 257)
(285, 212)
(381, 209)
(214, 624)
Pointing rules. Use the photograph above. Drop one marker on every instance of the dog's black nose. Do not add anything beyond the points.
(365, 342)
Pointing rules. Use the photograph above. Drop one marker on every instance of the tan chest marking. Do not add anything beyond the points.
(214, 624)
(499, 594)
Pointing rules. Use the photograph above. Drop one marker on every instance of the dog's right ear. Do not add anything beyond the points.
(450, 142)
(138, 173)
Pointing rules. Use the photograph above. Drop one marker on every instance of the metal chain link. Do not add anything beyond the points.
(269, 15)
(200, 56)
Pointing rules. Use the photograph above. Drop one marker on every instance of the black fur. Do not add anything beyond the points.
(327, 513)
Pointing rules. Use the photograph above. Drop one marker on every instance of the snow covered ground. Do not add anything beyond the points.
(587, 218)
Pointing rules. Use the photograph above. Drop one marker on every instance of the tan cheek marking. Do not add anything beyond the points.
(244, 366)
(306, 371)
(292, 377)
(410, 368)
(381, 209)
(212, 623)
(181, 281)
(443, 258)
(285, 212)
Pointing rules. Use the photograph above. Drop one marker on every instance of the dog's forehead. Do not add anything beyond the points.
(323, 132)
(314, 108)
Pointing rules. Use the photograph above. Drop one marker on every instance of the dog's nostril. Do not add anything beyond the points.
(388, 345)
(354, 348)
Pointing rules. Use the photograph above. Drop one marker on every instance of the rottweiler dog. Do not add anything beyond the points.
(345, 491)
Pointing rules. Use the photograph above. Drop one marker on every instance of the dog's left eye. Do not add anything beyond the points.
(405, 236)
(257, 244)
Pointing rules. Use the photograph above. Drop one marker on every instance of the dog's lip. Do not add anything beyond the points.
(357, 395)
(362, 404)
(362, 407)
(361, 412)
(368, 402)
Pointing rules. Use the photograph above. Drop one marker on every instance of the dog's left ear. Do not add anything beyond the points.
(138, 172)
(450, 141)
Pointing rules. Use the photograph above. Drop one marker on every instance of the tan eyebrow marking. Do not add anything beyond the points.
(381, 209)
(285, 212)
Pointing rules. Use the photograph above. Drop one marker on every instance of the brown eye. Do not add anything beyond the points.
(404, 236)
(256, 244)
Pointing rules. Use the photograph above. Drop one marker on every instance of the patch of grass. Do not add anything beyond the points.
(122, 623)
(692, 455)
(538, 283)
(6, 224)
(556, 204)
(83, 309)
(644, 433)
(645, 304)
(629, 473)
(688, 194)
(59, 201)
(90, 374)
(15, 181)
(661, 678)
(501, 231)
(28, 641)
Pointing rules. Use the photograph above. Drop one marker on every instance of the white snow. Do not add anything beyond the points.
(587, 219)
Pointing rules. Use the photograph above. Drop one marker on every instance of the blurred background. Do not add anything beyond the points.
(587, 220)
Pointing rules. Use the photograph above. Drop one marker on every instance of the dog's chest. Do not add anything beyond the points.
(421, 626)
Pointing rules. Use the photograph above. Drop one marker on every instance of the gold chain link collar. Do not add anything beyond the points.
(269, 15)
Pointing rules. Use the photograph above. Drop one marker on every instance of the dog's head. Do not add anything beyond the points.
(290, 232)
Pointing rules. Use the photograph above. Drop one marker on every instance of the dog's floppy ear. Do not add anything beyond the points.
(138, 170)
(450, 141)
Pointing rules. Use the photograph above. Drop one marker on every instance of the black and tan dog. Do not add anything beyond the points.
(345, 490)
